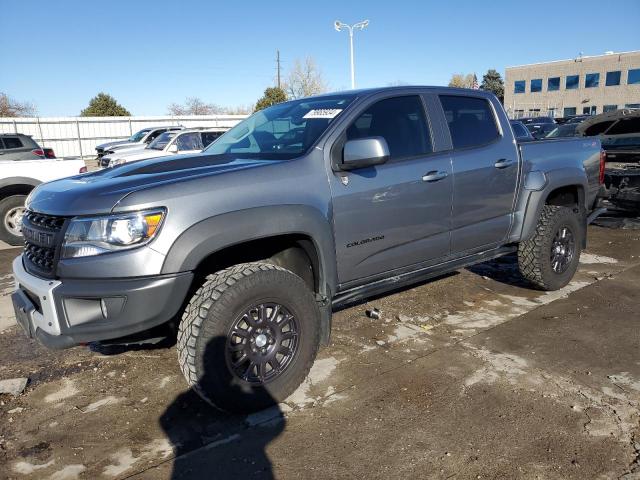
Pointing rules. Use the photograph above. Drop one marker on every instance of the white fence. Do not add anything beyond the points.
(78, 136)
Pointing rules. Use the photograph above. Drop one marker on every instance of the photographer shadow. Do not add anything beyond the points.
(211, 444)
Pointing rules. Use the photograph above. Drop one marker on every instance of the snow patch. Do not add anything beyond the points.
(625, 379)
(92, 407)
(27, 468)
(70, 472)
(320, 372)
(68, 390)
(123, 460)
(590, 258)
(498, 365)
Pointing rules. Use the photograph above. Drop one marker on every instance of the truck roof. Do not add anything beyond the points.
(403, 88)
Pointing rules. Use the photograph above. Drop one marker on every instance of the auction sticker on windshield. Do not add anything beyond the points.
(323, 113)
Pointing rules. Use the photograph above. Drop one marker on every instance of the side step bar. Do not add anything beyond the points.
(356, 294)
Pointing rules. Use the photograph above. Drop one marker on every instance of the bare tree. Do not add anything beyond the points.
(10, 107)
(239, 110)
(461, 80)
(305, 78)
(194, 106)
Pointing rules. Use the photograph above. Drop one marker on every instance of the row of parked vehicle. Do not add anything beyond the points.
(156, 142)
(619, 132)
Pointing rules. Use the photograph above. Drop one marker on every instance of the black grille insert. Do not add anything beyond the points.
(42, 241)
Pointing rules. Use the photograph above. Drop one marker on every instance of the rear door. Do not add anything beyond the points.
(397, 214)
(485, 173)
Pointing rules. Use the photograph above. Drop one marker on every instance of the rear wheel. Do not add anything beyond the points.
(248, 337)
(550, 258)
(11, 211)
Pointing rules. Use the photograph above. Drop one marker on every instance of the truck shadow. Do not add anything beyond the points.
(209, 443)
(503, 270)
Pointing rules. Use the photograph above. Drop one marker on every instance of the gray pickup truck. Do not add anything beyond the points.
(302, 208)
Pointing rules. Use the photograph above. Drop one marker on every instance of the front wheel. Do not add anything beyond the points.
(11, 211)
(249, 337)
(550, 258)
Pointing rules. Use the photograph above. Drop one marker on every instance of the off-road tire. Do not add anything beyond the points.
(209, 316)
(6, 205)
(534, 260)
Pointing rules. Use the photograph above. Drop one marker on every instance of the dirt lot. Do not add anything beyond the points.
(469, 376)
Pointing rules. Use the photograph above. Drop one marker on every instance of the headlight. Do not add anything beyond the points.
(110, 233)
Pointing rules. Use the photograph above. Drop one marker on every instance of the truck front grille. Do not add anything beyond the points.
(42, 241)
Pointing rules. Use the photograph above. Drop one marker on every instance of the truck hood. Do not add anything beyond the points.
(127, 145)
(142, 155)
(106, 145)
(99, 192)
(125, 152)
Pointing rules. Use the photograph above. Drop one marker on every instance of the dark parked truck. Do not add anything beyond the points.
(302, 208)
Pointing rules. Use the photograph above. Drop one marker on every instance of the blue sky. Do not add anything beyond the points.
(148, 54)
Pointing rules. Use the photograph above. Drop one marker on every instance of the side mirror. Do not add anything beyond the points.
(364, 152)
(173, 148)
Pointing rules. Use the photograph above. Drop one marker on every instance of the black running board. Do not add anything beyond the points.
(357, 294)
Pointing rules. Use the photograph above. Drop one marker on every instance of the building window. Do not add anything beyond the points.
(609, 108)
(613, 79)
(592, 80)
(536, 85)
(552, 112)
(632, 105)
(569, 111)
(592, 110)
(518, 86)
(553, 84)
(572, 82)
(633, 77)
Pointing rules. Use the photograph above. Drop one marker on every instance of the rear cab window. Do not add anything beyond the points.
(471, 121)
(401, 121)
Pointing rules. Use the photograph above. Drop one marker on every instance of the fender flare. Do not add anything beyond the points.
(536, 199)
(221, 231)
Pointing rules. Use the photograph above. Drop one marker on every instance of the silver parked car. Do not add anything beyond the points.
(140, 138)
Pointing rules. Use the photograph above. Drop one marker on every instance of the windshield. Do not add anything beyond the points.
(283, 131)
(161, 140)
(136, 137)
(564, 131)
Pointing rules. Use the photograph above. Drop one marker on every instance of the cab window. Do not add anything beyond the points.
(400, 121)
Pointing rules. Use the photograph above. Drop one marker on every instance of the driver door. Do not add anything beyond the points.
(397, 214)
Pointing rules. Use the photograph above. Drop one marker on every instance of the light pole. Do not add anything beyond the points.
(338, 25)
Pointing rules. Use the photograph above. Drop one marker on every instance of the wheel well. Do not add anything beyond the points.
(16, 189)
(569, 196)
(296, 253)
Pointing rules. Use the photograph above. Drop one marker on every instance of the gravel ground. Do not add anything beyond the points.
(469, 376)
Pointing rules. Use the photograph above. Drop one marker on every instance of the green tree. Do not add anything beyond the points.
(104, 105)
(272, 95)
(492, 82)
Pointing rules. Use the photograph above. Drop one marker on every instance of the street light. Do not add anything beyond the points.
(338, 25)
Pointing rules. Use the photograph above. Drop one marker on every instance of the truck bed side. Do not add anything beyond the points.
(551, 166)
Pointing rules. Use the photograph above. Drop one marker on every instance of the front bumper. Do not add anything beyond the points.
(61, 314)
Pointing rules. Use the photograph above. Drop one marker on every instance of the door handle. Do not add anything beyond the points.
(434, 176)
(503, 163)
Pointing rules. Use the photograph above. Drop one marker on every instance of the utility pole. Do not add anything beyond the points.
(278, 66)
